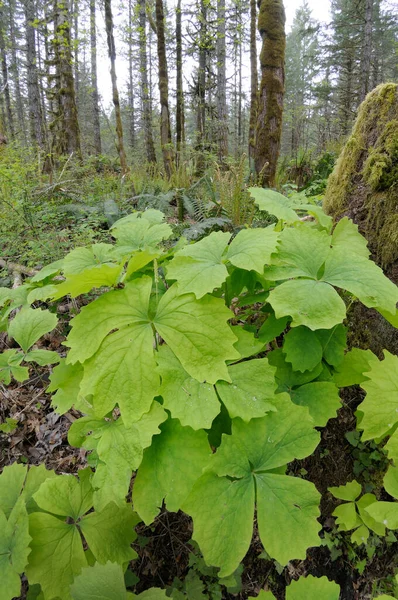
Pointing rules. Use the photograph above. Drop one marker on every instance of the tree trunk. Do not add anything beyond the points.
(165, 130)
(146, 105)
(16, 75)
(76, 48)
(271, 25)
(4, 70)
(94, 81)
(66, 132)
(115, 91)
(180, 117)
(35, 112)
(221, 85)
(131, 80)
(367, 49)
(201, 92)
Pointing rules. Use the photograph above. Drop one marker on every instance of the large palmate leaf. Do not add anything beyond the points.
(198, 333)
(251, 249)
(31, 324)
(301, 252)
(302, 349)
(321, 398)
(81, 283)
(10, 365)
(274, 204)
(199, 267)
(242, 471)
(333, 343)
(14, 549)
(311, 588)
(285, 377)
(119, 449)
(100, 582)
(195, 404)
(347, 237)
(80, 259)
(65, 380)
(314, 304)
(362, 277)
(57, 549)
(169, 469)
(354, 367)
(123, 371)
(251, 391)
(133, 233)
(17, 480)
(380, 407)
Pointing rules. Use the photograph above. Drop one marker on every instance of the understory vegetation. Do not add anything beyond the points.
(182, 415)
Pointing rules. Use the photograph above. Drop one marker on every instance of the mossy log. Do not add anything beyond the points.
(364, 187)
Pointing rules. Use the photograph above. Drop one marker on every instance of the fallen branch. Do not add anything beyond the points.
(16, 268)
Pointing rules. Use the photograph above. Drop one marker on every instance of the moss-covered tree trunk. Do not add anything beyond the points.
(253, 83)
(165, 129)
(115, 91)
(364, 187)
(271, 25)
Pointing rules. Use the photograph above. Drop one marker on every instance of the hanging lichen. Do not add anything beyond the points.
(364, 183)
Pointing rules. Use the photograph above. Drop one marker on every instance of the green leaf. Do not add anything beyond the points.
(362, 277)
(110, 533)
(31, 324)
(14, 549)
(252, 389)
(65, 380)
(347, 517)
(163, 475)
(263, 596)
(139, 260)
(198, 268)
(251, 249)
(12, 480)
(123, 371)
(391, 481)
(100, 582)
(322, 399)
(354, 367)
(223, 512)
(10, 365)
(390, 317)
(311, 587)
(138, 233)
(57, 555)
(360, 535)
(350, 491)
(312, 303)
(119, 448)
(222, 501)
(9, 425)
(152, 594)
(385, 513)
(81, 259)
(247, 345)
(286, 378)
(42, 357)
(302, 348)
(334, 343)
(65, 496)
(197, 333)
(380, 407)
(41, 293)
(96, 277)
(112, 310)
(302, 251)
(274, 204)
(47, 271)
(272, 328)
(347, 237)
(362, 505)
(195, 404)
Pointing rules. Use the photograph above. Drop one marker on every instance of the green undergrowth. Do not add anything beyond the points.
(200, 372)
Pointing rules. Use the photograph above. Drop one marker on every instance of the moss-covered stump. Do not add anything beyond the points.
(364, 187)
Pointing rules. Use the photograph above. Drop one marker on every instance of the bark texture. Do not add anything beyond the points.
(271, 25)
(65, 127)
(253, 83)
(367, 49)
(180, 116)
(221, 84)
(201, 91)
(146, 103)
(115, 91)
(4, 70)
(94, 80)
(165, 129)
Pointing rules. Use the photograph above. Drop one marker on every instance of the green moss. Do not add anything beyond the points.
(364, 183)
